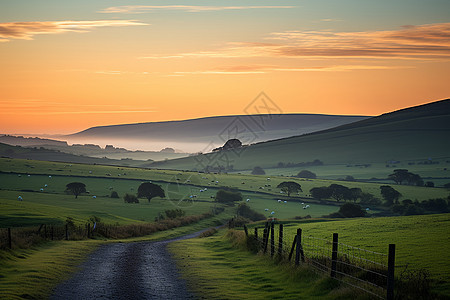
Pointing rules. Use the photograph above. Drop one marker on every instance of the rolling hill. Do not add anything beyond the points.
(206, 133)
(416, 133)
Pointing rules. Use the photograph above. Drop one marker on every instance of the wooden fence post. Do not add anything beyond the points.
(390, 275)
(67, 233)
(298, 247)
(280, 241)
(89, 230)
(293, 247)
(51, 232)
(266, 237)
(256, 233)
(246, 230)
(334, 255)
(45, 231)
(9, 239)
(272, 239)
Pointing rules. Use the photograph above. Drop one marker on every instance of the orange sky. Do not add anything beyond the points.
(66, 69)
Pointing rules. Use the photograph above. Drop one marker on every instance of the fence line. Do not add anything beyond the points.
(369, 271)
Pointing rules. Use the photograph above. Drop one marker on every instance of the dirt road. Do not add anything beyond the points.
(142, 270)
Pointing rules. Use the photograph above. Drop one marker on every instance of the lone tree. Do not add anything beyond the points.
(258, 171)
(290, 187)
(306, 174)
(76, 188)
(150, 190)
(390, 194)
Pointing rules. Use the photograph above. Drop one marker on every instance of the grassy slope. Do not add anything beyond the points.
(52, 205)
(421, 241)
(215, 269)
(416, 133)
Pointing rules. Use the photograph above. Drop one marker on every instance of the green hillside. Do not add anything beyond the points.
(410, 134)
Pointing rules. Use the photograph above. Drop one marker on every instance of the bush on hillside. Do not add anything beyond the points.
(245, 211)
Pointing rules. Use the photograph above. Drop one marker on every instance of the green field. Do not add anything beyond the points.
(214, 267)
(421, 241)
(26, 178)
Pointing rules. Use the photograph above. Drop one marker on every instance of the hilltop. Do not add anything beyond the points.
(415, 133)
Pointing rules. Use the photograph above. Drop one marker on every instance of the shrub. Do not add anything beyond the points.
(174, 213)
(350, 210)
(306, 174)
(245, 211)
(129, 198)
(208, 232)
(114, 194)
(258, 171)
(228, 197)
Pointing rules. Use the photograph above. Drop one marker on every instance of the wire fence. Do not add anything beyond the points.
(369, 271)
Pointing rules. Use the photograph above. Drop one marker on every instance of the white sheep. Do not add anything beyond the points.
(94, 197)
(272, 212)
(50, 176)
(20, 198)
(45, 185)
(279, 201)
(247, 200)
(41, 189)
(266, 209)
(285, 201)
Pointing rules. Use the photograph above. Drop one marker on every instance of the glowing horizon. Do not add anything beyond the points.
(66, 67)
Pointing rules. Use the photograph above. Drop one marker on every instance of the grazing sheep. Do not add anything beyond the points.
(45, 185)
(266, 209)
(50, 176)
(95, 197)
(41, 189)
(279, 201)
(367, 209)
(20, 198)
(272, 212)
(285, 201)
(247, 200)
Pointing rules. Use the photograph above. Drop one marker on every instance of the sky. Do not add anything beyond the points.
(66, 66)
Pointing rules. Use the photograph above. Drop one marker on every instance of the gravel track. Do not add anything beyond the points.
(140, 270)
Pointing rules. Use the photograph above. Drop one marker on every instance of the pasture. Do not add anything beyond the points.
(421, 241)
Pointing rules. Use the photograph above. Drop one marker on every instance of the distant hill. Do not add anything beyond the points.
(35, 153)
(196, 134)
(420, 132)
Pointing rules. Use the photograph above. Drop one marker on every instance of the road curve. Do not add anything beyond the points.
(140, 270)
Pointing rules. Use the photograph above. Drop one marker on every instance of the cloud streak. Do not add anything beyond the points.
(263, 69)
(134, 9)
(430, 41)
(27, 30)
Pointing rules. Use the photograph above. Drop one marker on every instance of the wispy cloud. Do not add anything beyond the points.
(129, 9)
(431, 41)
(263, 69)
(46, 107)
(26, 30)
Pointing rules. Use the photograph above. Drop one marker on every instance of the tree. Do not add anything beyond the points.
(390, 195)
(76, 188)
(306, 174)
(230, 144)
(355, 194)
(399, 176)
(290, 187)
(128, 198)
(258, 171)
(228, 197)
(350, 210)
(114, 194)
(150, 190)
(320, 193)
(339, 192)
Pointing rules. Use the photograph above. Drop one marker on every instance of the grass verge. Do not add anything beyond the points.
(218, 267)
